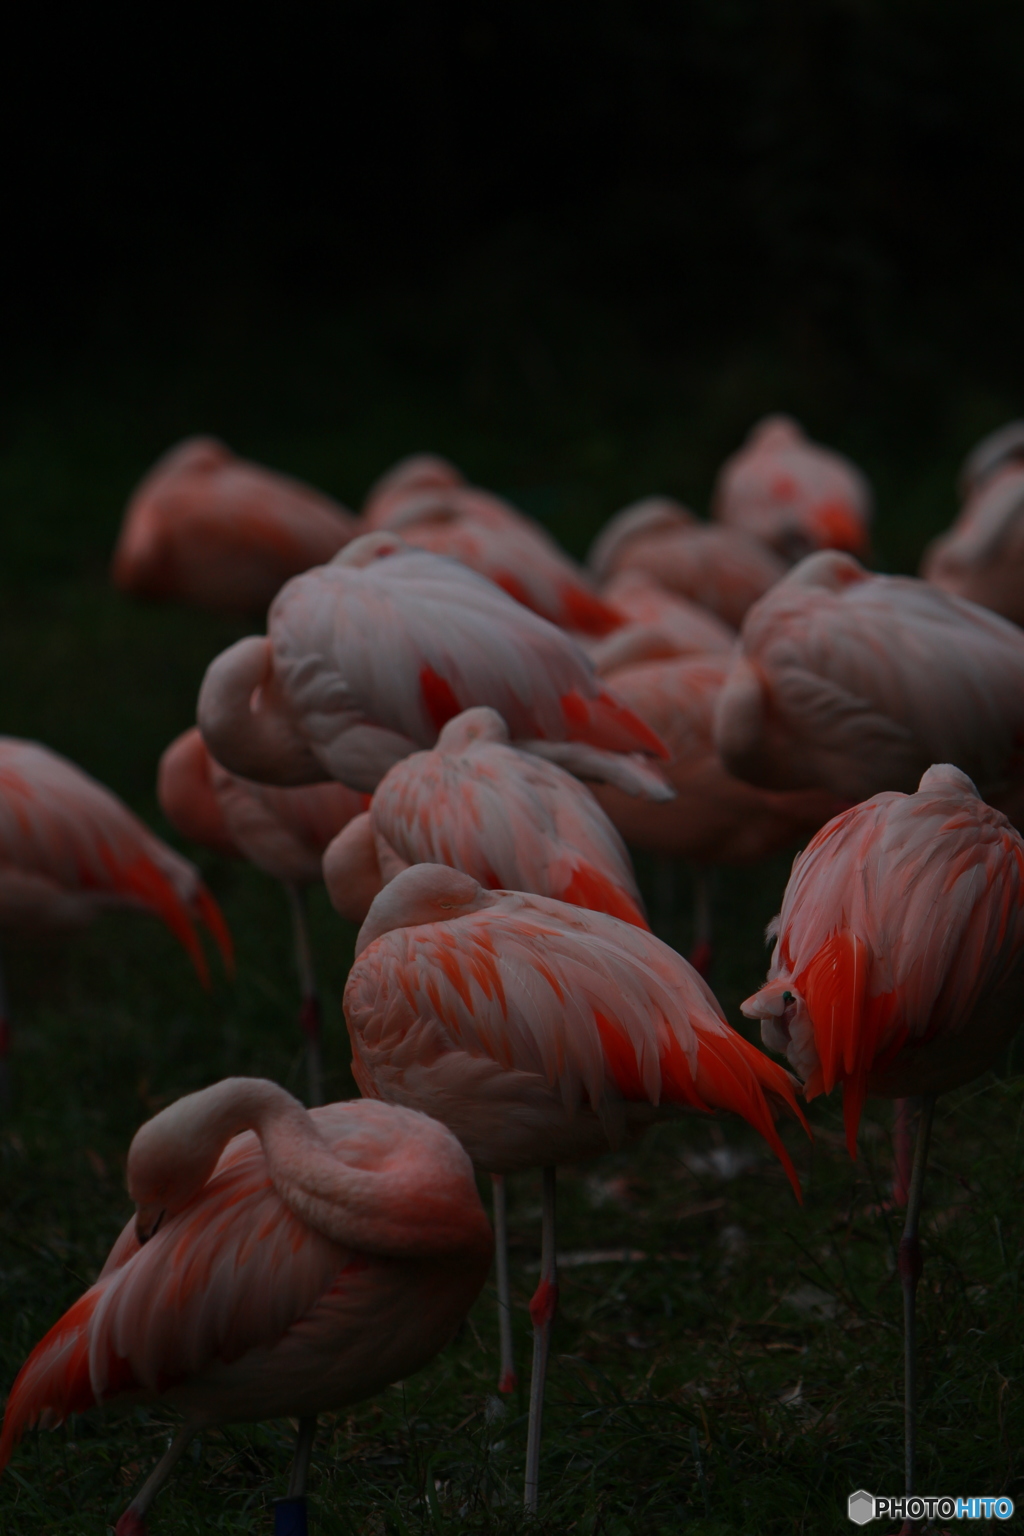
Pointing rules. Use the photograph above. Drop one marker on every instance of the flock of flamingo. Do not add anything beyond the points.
(460, 730)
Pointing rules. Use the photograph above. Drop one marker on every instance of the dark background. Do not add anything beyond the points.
(579, 247)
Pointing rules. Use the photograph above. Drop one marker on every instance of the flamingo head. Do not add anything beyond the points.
(480, 724)
(426, 893)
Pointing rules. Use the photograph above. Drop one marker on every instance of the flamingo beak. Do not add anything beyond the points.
(147, 1222)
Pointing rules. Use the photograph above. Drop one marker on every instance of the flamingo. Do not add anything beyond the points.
(511, 550)
(505, 817)
(408, 478)
(793, 494)
(207, 528)
(1003, 446)
(280, 1262)
(509, 820)
(721, 568)
(368, 657)
(641, 519)
(658, 624)
(70, 849)
(982, 556)
(856, 683)
(540, 1033)
(898, 968)
(284, 832)
(715, 817)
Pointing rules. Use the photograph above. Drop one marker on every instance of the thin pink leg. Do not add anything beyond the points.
(903, 1150)
(507, 1377)
(542, 1313)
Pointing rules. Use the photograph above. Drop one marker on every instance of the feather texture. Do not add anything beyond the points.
(900, 946)
(542, 1033)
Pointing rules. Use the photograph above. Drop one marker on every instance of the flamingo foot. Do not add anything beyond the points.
(290, 1517)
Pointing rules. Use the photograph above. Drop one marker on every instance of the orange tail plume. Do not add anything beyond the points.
(590, 888)
(848, 1024)
(739, 1077)
(54, 1381)
(606, 722)
(149, 885)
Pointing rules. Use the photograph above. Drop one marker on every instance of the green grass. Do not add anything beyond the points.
(744, 1374)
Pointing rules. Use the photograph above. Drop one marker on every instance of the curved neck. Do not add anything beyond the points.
(388, 1181)
(244, 723)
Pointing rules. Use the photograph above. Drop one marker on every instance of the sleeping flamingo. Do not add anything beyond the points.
(207, 528)
(509, 820)
(368, 657)
(657, 624)
(509, 549)
(792, 493)
(70, 849)
(715, 817)
(540, 1033)
(279, 1262)
(282, 831)
(408, 478)
(1003, 446)
(856, 683)
(898, 967)
(722, 569)
(505, 817)
(981, 557)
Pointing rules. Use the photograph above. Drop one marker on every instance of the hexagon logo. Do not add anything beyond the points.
(861, 1507)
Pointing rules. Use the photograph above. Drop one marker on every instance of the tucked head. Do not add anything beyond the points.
(172, 1156)
(368, 548)
(426, 893)
(479, 724)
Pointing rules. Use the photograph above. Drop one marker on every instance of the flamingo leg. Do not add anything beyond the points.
(702, 954)
(910, 1265)
(903, 1155)
(290, 1512)
(133, 1522)
(542, 1312)
(507, 1377)
(310, 1017)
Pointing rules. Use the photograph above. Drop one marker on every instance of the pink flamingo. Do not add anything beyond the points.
(368, 657)
(715, 817)
(509, 820)
(541, 1034)
(70, 849)
(505, 817)
(982, 556)
(722, 569)
(509, 549)
(1003, 446)
(405, 480)
(856, 683)
(658, 624)
(793, 494)
(284, 832)
(212, 530)
(899, 967)
(280, 1262)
